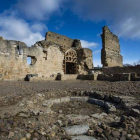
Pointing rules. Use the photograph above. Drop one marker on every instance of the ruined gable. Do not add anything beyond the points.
(110, 54)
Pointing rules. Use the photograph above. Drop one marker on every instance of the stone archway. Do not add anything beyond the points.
(70, 62)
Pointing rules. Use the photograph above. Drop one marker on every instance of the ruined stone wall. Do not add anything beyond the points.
(62, 40)
(84, 55)
(59, 39)
(54, 61)
(11, 63)
(85, 60)
(47, 63)
(13, 66)
(47, 59)
(88, 58)
(117, 70)
(110, 53)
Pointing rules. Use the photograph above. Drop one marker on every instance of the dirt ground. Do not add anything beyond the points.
(12, 92)
(27, 112)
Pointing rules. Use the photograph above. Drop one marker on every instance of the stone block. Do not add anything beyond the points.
(96, 101)
(82, 137)
(83, 99)
(77, 129)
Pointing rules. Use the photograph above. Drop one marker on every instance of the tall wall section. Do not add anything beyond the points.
(110, 53)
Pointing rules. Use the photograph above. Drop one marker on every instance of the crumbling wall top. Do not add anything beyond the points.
(62, 40)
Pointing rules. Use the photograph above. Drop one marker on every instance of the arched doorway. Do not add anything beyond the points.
(70, 62)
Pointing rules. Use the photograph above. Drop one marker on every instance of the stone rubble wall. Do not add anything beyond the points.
(116, 70)
(47, 59)
(85, 60)
(13, 66)
(131, 73)
(62, 40)
(110, 53)
(115, 77)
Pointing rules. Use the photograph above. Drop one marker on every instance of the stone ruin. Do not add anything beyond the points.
(110, 54)
(55, 55)
(112, 60)
(72, 110)
(61, 58)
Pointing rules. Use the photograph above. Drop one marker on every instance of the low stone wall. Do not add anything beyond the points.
(88, 77)
(116, 70)
(135, 77)
(34, 79)
(67, 77)
(104, 77)
(75, 76)
(119, 77)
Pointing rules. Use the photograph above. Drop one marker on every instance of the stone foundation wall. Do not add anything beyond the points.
(116, 70)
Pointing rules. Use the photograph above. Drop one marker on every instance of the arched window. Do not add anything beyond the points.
(71, 56)
(70, 63)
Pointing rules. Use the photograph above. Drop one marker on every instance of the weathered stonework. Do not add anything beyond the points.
(110, 54)
(62, 40)
(49, 57)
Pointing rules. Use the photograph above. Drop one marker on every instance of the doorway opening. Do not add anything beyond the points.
(70, 68)
(70, 62)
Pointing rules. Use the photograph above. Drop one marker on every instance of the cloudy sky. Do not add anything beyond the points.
(29, 20)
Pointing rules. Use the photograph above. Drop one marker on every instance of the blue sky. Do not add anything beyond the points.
(29, 20)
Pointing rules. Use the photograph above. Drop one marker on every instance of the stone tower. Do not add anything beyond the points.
(110, 53)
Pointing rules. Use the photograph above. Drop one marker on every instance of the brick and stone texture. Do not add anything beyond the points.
(62, 40)
(120, 70)
(110, 53)
(48, 57)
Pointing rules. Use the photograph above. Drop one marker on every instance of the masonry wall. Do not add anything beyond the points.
(59, 39)
(47, 59)
(13, 66)
(85, 60)
(117, 70)
(110, 53)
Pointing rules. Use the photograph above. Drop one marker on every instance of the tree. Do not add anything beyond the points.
(99, 66)
(139, 62)
(136, 63)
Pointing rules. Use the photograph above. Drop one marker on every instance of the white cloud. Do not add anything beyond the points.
(39, 9)
(18, 29)
(122, 16)
(15, 28)
(87, 44)
(39, 27)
